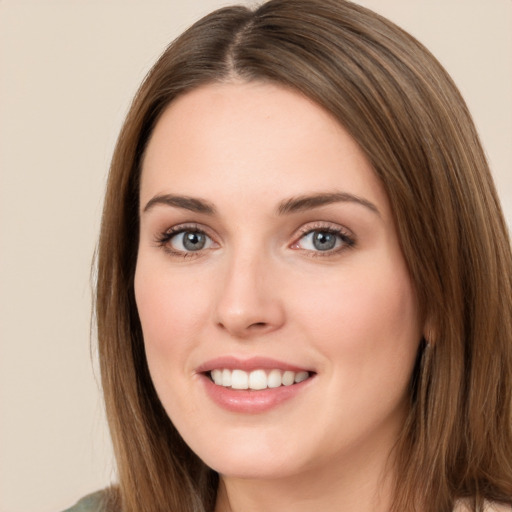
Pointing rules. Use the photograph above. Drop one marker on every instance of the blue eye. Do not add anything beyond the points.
(190, 241)
(324, 240)
(184, 241)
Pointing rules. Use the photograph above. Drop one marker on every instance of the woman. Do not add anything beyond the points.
(304, 278)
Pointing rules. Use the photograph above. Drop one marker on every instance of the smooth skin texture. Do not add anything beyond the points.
(260, 285)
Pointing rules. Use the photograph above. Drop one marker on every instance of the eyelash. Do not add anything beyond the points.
(347, 240)
(163, 240)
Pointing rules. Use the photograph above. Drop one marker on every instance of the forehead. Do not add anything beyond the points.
(253, 139)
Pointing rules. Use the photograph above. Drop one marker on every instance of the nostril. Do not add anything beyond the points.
(258, 325)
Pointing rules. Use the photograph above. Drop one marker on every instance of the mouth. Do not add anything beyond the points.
(256, 380)
(253, 385)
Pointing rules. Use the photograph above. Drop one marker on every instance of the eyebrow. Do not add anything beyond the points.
(307, 202)
(188, 203)
(292, 205)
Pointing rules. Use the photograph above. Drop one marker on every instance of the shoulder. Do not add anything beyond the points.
(490, 506)
(90, 503)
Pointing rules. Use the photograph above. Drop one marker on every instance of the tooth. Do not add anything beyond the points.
(226, 378)
(300, 376)
(258, 379)
(274, 379)
(239, 379)
(288, 378)
(217, 377)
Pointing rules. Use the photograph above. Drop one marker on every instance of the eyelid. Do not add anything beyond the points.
(347, 237)
(163, 238)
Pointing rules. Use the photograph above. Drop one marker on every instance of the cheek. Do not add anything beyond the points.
(366, 319)
(168, 305)
(171, 313)
(368, 332)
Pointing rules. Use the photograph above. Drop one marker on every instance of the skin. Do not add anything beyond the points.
(260, 287)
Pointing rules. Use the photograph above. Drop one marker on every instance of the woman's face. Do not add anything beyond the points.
(269, 259)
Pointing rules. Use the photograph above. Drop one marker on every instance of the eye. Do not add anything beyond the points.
(184, 241)
(189, 241)
(324, 240)
(321, 240)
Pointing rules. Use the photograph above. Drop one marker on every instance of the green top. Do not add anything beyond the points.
(90, 503)
(95, 503)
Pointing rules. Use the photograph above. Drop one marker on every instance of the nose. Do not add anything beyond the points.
(249, 303)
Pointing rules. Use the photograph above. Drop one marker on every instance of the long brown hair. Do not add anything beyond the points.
(404, 111)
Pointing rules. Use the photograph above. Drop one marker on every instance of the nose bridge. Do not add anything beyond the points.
(248, 301)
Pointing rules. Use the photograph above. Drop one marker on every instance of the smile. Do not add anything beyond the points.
(256, 379)
(254, 385)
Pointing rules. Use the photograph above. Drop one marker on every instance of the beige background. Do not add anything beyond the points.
(68, 69)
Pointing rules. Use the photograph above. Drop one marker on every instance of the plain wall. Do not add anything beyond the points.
(68, 70)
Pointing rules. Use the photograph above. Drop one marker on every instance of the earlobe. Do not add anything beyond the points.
(429, 334)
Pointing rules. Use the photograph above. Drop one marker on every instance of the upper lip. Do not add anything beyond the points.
(250, 364)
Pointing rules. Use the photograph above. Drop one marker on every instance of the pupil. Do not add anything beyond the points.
(323, 241)
(193, 241)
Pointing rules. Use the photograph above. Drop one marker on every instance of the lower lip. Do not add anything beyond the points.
(252, 401)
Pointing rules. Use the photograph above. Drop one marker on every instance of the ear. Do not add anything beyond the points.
(429, 333)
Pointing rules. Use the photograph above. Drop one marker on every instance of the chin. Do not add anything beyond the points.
(250, 458)
(254, 470)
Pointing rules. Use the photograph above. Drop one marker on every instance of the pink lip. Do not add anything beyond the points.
(248, 365)
(250, 401)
